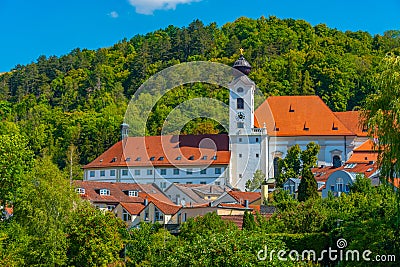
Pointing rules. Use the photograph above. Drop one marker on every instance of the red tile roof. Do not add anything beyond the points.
(240, 196)
(352, 120)
(365, 153)
(117, 192)
(166, 208)
(322, 174)
(166, 150)
(133, 208)
(367, 146)
(299, 116)
(363, 157)
(9, 210)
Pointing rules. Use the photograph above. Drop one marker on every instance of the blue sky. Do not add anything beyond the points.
(49, 27)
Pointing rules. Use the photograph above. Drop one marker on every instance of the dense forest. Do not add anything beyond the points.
(74, 104)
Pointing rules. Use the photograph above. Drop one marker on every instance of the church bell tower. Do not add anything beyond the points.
(246, 142)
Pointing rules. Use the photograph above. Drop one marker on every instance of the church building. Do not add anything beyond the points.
(257, 138)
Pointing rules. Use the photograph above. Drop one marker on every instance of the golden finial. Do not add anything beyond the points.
(241, 51)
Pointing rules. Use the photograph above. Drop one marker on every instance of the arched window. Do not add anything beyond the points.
(240, 90)
(336, 161)
(240, 103)
(276, 167)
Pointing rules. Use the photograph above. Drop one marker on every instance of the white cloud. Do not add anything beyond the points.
(147, 7)
(114, 14)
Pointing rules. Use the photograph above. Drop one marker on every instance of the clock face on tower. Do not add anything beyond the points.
(240, 116)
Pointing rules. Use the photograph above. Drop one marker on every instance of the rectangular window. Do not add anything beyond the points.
(240, 139)
(92, 173)
(240, 155)
(189, 171)
(124, 172)
(218, 171)
(257, 155)
(240, 103)
(163, 171)
(240, 125)
(126, 216)
(204, 171)
(133, 193)
(256, 140)
(137, 172)
(347, 188)
(104, 192)
(176, 171)
(189, 182)
(203, 182)
(102, 173)
(80, 190)
(340, 187)
(149, 172)
(159, 216)
(332, 188)
(217, 183)
(112, 172)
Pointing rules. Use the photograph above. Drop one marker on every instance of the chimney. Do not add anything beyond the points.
(264, 194)
(246, 203)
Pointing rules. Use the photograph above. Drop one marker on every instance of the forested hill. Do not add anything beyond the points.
(78, 100)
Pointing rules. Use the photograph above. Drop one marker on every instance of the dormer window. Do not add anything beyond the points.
(214, 157)
(114, 159)
(178, 158)
(291, 109)
(80, 190)
(191, 158)
(334, 127)
(152, 158)
(128, 159)
(161, 158)
(138, 159)
(133, 193)
(104, 192)
(204, 158)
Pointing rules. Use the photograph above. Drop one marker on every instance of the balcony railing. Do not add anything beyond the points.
(258, 131)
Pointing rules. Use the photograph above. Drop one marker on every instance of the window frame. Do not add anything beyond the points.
(239, 103)
(104, 192)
